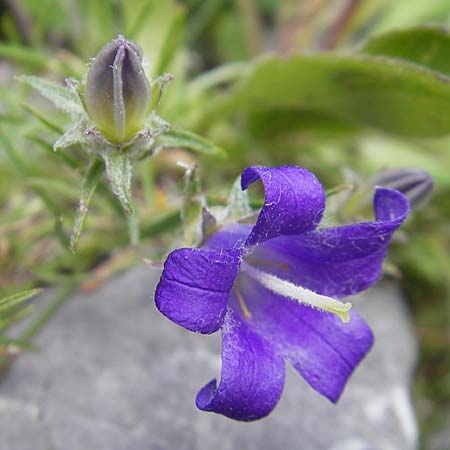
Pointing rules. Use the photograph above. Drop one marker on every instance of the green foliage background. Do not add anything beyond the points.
(349, 88)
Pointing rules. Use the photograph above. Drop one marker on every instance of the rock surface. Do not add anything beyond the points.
(112, 374)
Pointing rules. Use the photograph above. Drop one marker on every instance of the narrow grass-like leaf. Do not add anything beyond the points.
(335, 190)
(7, 341)
(177, 138)
(8, 318)
(172, 41)
(49, 311)
(191, 209)
(164, 223)
(48, 147)
(23, 171)
(14, 300)
(141, 18)
(88, 187)
(44, 120)
(24, 55)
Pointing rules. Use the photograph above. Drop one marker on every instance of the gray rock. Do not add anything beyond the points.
(112, 374)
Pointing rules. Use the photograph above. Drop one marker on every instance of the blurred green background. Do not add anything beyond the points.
(350, 88)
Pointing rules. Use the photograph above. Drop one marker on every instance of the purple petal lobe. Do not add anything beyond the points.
(322, 348)
(294, 201)
(233, 236)
(252, 377)
(338, 261)
(195, 286)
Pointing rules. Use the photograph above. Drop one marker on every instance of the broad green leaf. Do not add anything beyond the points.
(390, 95)
(88, 187)
(407, 13)
(428, 46)
(285, 123)
(63, 98)
(177, 138)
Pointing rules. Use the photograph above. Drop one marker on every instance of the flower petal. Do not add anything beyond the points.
(338, 261)
(322, 348)
(195, 286)
(252, 377)
(294, 201)
(232, 236)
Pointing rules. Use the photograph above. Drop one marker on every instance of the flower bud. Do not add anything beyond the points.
(117, 94)
(415, 184)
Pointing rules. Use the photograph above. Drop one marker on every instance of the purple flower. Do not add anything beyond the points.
(274, 288)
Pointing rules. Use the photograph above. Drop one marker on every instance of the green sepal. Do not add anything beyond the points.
(73, 136)
(119, 172)
(63, 98)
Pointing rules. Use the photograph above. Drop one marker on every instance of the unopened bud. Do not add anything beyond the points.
(117, 94)
(415, 184)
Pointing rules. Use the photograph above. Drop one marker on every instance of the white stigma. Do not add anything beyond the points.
(298, 293)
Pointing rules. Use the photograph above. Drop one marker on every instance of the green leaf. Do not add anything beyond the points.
(44, 120)
(238, 203)
(9, 317)
(177, 138)
(426, 45)
(14, 300)
(71, 137)
(88, 187)
(26, 55)
(63, 98)
(172, 42)
(119, 172)
(49, 148)
(387, 94)
(23, 345)
(285, 123)
(191, 209)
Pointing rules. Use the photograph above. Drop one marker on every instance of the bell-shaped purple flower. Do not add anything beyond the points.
(117, 94)
(275, 289)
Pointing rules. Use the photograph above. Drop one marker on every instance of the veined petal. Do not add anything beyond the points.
(294, 201)
(252, 376)
(323, 349)
(195, 286)
(341, 261)
(233, 236)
